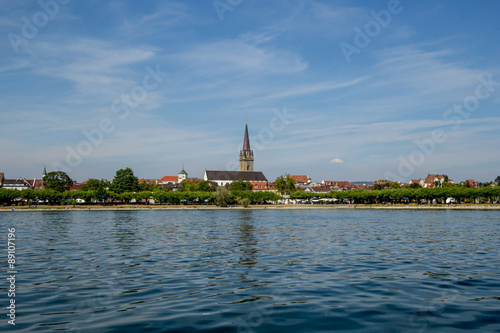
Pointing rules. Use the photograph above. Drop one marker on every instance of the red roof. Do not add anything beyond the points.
(169, 179)
(300, 179)
(144, 180)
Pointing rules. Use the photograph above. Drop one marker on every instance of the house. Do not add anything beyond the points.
(147, 181)
(173, 180)
(227, 177)
(2, 176)
(338, 185)
(436, 180)
(318, 189)
(300, 179)
(168, 180)
(470, 183)
(16, 184)
(36, 184)
(417, 181)
(76, 186)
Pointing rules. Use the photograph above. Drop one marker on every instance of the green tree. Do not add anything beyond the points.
(240, 185)
(100, 194)
(222, 196)
(147, 186)
(125, 181)
(91, 184)
(245, 202)
(58, 181)
(285, 184)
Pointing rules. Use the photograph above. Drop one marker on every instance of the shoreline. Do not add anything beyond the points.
(252, 207)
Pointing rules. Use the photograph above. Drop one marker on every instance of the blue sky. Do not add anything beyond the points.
(338, 90)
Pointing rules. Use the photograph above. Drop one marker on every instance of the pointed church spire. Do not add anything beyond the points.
(246, 140)
(246, 154)
(44, 171)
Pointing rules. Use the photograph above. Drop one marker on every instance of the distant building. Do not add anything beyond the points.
(182, 175)
(417, 181)
(147, 181)
(16, 184)
(338, 185)
(36, 184)
(470, 183)
(227, 177)
(318, 189)
(173, 180)
(76, 186)
(246, 154)
(246, 173)
(300, 179)
(436, 180)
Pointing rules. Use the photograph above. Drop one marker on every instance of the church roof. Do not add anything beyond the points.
(168, 179)
(235, 175)
(246, 140)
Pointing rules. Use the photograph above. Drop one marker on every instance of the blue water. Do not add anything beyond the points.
(255, 271)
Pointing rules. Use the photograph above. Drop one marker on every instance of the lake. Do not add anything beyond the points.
(287, 270)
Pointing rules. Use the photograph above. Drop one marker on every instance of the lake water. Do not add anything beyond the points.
(254, 271)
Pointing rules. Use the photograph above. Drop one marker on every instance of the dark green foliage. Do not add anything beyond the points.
(197, 186)
(125, 181)
(409, 195)
(93, 184)
(222, 196)
(58, 181)
(240, 185)
(284, 184)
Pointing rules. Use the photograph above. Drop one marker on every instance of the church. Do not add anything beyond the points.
(246, 172)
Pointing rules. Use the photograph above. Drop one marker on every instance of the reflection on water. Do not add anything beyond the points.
(257, 271)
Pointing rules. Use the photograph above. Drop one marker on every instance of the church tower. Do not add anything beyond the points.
(246, 154)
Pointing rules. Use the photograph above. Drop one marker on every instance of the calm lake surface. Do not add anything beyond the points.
(254, 271)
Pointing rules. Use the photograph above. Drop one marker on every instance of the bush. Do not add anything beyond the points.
(245, 202)
(5, 204)
(19, 203)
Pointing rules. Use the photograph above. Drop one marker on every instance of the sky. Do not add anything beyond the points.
(337, 90)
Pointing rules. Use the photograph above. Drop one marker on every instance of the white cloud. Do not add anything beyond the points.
(238, 56)
(336, 161)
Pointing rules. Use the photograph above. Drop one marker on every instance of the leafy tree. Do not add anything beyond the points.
(245, 202)
(100, 194)
(93, 184)
(222, 196)
(240, 185)
(125, 181)
(207, 186)
(197, 186)
(497, 180)
(285, 184)
(147, 186)
(58, 181)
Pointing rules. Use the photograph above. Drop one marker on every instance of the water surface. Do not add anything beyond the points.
(256, 271)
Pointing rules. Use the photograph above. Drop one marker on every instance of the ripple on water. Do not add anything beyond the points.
(258, 271)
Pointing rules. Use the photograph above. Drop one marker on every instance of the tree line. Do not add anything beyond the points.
(409, 195)
(125, 188)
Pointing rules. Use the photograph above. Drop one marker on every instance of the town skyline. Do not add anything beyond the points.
(358, 92)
